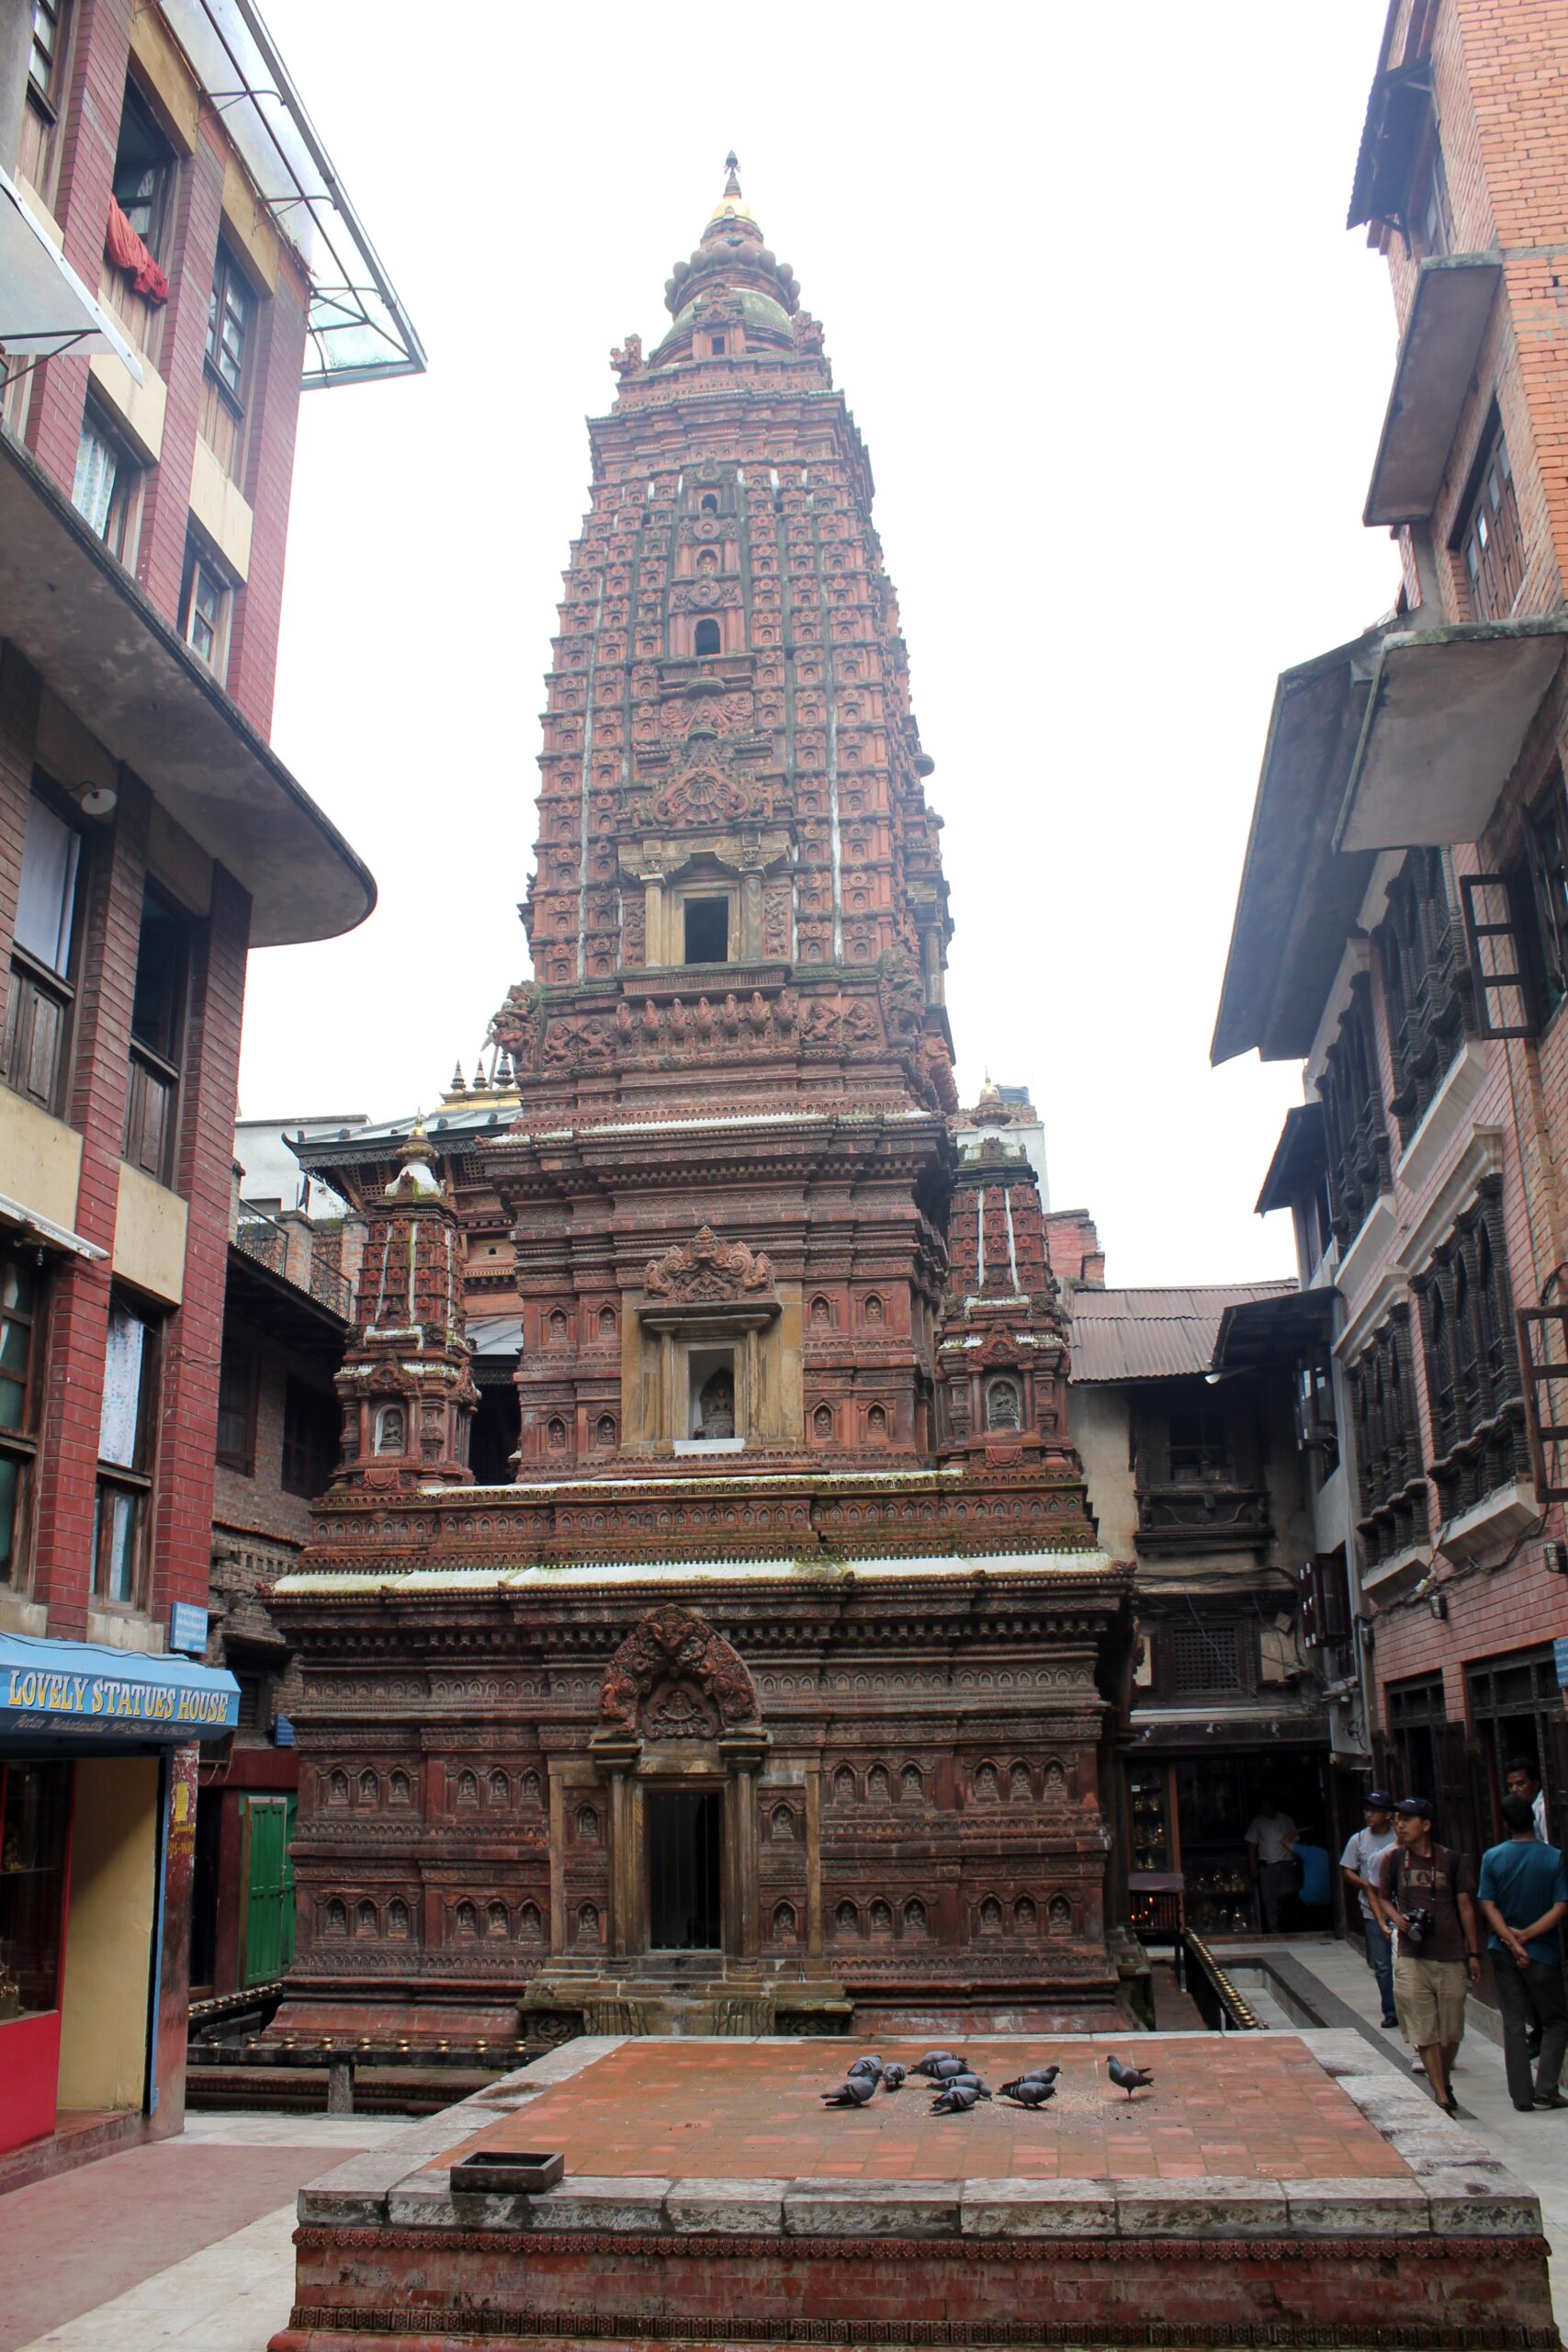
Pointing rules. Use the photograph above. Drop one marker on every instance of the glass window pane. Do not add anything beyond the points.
(98, 469)
(120, 1424)
(12, 1404)
(114, 1572)
(46, 901)
(18, 1286)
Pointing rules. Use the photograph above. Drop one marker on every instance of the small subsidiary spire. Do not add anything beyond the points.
(733, 166)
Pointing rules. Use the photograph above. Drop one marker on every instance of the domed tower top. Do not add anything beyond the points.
(732, 278)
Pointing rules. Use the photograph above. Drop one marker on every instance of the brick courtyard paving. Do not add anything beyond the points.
(1239, 2107)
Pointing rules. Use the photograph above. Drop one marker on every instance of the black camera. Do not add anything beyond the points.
(1418, 1926)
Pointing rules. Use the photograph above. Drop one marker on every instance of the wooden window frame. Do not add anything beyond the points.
(1475, 1386)
(240, 1362)
(202, 565)
(303, 1451)
(225, 406)
(122, 522)
(1323, 1586)
(1355, 1126)
(19, 1445)
(43, 102)
(1394, 1505)
(160, 204)
(35, 981)
(1427, 983)
(132, 1482)
(1488, 533)
(154, 1091)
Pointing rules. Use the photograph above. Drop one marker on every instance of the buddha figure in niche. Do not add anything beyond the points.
(716, 1405)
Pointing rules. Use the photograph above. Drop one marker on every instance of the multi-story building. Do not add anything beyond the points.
(778, 1673)
(176, 260)
(1402, 930)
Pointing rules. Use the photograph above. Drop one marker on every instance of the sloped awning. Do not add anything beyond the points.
(1446, 719)
(1454, 294)
(44, 306)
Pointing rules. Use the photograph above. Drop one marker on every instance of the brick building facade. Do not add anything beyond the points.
(157, 315)
(1402, 929)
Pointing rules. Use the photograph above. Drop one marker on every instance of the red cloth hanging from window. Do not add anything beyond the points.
(126, 251)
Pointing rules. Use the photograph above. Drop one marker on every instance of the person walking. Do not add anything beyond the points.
(1425, 1894)
(1361, 1862)
(1270, 1838)
(1524, 1897)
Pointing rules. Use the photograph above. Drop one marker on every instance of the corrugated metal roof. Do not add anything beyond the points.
(1153, 1334)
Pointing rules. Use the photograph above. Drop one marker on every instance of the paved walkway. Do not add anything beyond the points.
(1533, 2146)
(184, 2242)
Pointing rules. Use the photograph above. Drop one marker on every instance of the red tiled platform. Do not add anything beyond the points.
(1280, 2189)
(1240, 2106)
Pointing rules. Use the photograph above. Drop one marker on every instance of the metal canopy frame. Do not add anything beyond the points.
(357, 328)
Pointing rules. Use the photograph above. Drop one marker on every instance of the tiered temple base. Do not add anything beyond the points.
(1271, 2189)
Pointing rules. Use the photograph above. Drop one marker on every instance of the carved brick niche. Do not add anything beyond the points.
(712, 1353)
(679, 1719)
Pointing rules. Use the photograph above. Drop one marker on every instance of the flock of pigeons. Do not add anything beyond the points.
(958, 2088)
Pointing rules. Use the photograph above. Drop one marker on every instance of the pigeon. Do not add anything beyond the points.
(1128, 2078)
(854, 2092)
(870, 2065)
(893, 2075)
(1047, 2074)
(967, 2082)
(1029, 2091)
(938, 2063)
(954, 2099)
(930, 2060)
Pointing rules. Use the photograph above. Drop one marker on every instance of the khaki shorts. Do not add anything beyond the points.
(1428, 1999)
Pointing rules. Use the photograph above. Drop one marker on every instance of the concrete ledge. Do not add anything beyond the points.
(1332, 2209)
(626, 2201)
(1211, 2208)
(727, 2207)
(1037, 2209)
(873, 2208)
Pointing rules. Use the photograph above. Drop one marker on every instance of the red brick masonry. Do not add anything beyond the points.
(1286, 2190)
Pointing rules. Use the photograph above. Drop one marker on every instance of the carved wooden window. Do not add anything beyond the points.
(1474, 1383)
(1355, 1132)
(1207, 1657)
(1546, 863)
(1487, 535)
(1391, 1487)
(1325, 1600)
(1426, 984)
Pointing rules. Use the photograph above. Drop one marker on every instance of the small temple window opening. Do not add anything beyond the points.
(711, 1391)
(710, 502)
(707, 931)
(716, 346)
(706, 639)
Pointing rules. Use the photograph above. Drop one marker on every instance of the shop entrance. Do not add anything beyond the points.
(683, 1843)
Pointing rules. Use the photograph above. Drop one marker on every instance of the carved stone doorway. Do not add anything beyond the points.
(685, 1843)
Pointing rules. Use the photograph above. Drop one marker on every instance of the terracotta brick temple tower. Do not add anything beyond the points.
(781, 1681)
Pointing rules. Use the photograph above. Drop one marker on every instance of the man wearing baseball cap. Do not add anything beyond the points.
(1361, 1862)
(1425, 1894)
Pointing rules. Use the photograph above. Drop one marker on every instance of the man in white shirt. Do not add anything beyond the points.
(1361, 1862)
(1520, 1780)
(1271, 1837)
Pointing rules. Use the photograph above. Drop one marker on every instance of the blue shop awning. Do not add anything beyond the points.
(75, 1691)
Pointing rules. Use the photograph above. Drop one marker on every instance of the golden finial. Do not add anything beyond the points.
(733, 166)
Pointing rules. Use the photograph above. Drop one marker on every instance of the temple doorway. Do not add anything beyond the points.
(685, 1836)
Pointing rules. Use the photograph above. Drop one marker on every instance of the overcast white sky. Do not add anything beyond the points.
(1086, 284)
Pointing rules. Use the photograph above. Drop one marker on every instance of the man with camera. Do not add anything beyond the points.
(1425, 1896)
